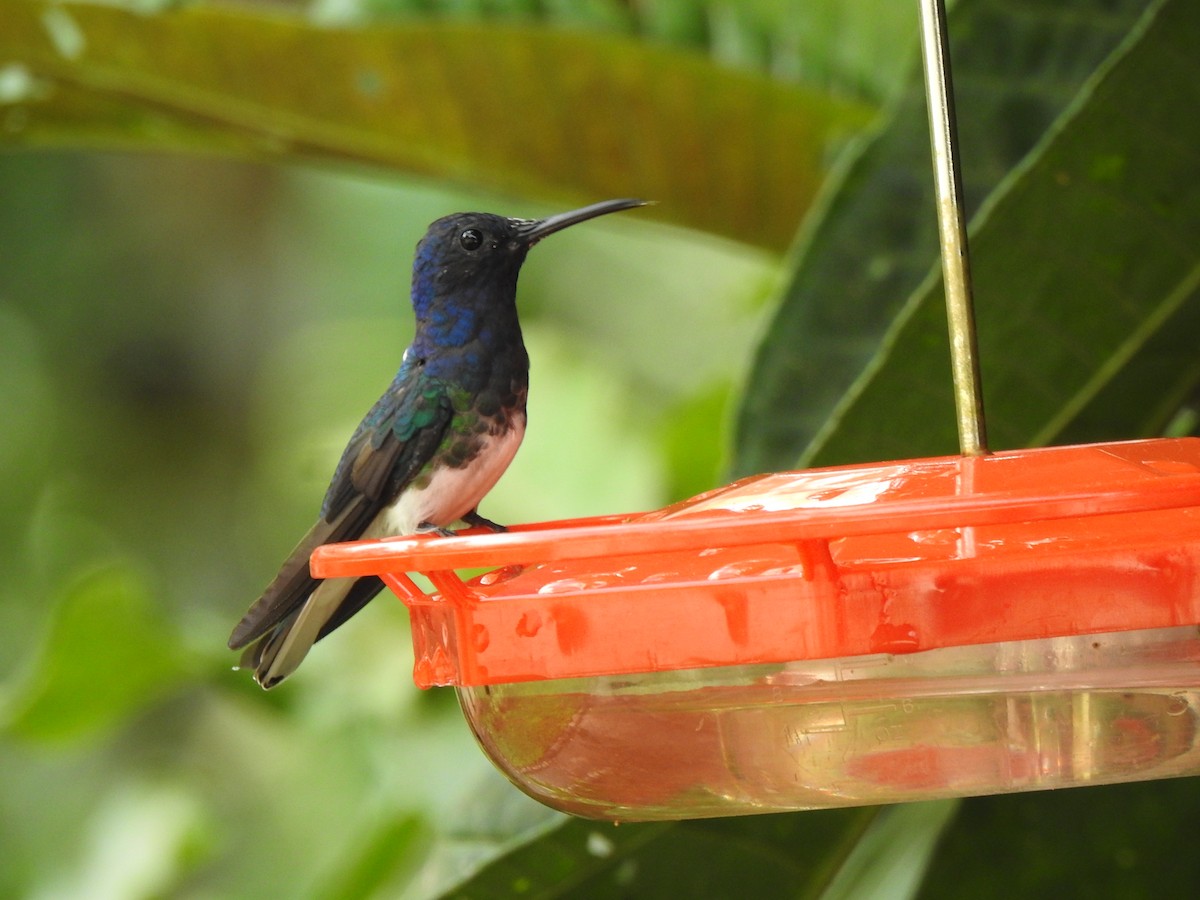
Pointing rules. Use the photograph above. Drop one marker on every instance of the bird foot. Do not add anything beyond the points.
(474, 519)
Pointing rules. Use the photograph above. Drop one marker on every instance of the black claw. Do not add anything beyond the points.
(430, 528)
(474, 518)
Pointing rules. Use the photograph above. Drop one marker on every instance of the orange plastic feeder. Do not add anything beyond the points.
(862, 634)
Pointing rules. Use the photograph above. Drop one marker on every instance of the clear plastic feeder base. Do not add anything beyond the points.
(987, 719)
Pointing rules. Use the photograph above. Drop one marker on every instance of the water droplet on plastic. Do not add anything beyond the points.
(936, 537)
(740, 568)
(565, 585)
(796, 571)
(423, 672)
(656, 577)
(496, 576)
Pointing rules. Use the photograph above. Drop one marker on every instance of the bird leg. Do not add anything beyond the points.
(430, 528)
(474, 519)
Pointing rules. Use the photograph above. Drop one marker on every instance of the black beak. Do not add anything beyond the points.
(533, 230)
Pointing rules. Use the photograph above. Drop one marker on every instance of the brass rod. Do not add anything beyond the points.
(956, 265)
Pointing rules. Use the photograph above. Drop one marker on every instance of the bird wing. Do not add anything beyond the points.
(388, 449)
(392, 443)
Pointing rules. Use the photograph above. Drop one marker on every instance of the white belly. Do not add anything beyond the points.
(451, 493)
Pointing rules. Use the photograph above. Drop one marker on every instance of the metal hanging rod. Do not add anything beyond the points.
(956, 264)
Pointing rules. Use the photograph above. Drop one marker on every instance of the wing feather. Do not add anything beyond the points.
(388, 450)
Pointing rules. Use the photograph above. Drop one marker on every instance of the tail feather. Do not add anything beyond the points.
(284, 594)
(359, 595)
(278, 653)
(294, 583)
(297, 610)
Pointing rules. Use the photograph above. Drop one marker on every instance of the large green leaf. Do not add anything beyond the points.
(505, 845)
(854, 47)
(875, 238)
(1086, 255)
(1128, 841)
(824, 854)
(773, 856)
(1142, 395)
(539, 111)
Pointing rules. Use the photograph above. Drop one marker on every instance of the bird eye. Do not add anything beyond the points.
(471, 239)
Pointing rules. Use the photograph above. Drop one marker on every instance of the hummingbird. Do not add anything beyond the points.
(434, 444)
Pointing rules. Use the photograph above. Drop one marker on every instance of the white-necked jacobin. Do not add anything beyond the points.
(437, 440)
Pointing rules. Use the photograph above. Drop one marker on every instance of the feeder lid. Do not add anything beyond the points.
(882, 558)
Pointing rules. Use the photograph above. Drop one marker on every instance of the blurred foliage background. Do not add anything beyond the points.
(207, 213)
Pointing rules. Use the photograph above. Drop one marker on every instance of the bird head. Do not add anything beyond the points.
(476, 257)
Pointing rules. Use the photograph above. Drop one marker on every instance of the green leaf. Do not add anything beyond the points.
(537, 111)
(1129, 841)
(874, 238)
(855, 47)
(891, 859)
(1146, 390)
(762, 856)
(1083, 257)
(107, 655)
(510, 846)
